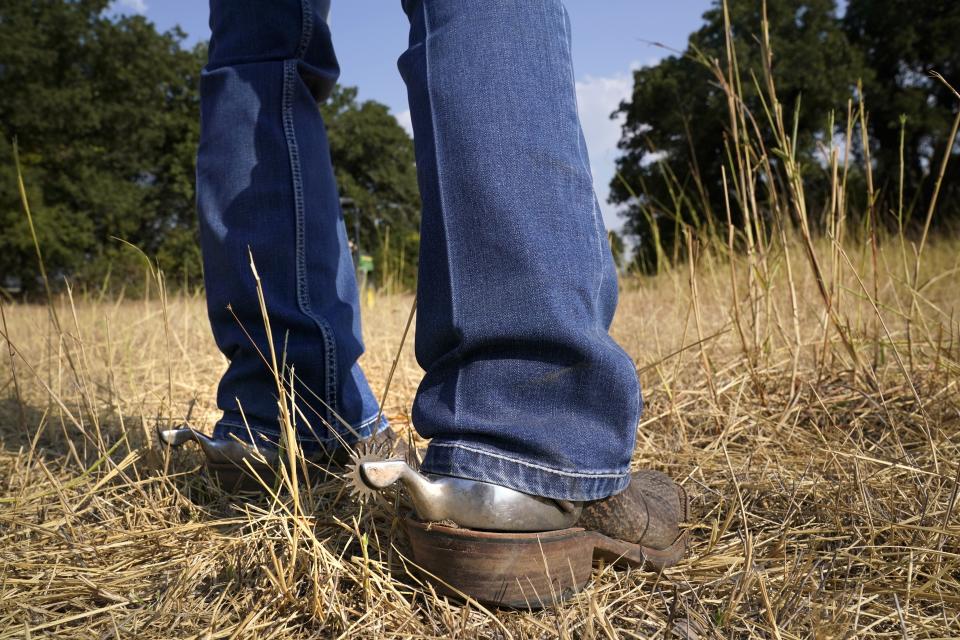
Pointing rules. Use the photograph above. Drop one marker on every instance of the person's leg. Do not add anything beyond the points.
(524, 387)
(265, 188)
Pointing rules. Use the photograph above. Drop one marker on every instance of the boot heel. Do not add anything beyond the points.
(516, 570)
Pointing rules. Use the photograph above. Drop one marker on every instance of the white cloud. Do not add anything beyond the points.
(597, 98)
(130, 6)
(403, 118)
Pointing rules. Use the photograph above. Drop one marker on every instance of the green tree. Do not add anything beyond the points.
(903, 41)
(374, 164)
(677, 121)
(105, 111)
(617, 248)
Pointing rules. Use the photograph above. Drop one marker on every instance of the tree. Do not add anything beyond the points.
(105, 112)
(374, 164)
(677, 120)
(617, 248)
(903, 41)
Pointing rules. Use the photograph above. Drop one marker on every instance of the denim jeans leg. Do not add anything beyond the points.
(524, 386)
(265, 188)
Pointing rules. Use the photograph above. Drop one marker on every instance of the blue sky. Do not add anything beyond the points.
(610, 37)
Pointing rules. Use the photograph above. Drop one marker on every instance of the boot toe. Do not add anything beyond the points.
(648, 512)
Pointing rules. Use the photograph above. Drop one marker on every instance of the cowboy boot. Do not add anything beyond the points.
(506, 548)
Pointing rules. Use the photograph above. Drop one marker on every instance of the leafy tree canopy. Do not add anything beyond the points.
(106, 114)
(374, 164)
(903, 41)
(677, 122)
(677, 118)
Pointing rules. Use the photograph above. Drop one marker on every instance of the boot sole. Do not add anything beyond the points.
(523, 570)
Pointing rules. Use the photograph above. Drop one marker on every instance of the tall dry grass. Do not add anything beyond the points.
(802, 386)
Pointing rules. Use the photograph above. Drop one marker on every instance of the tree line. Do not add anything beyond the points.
(105, 112)
(877, 54)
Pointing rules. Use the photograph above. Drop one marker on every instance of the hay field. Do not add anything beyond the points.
(823, 458)
(801, 376)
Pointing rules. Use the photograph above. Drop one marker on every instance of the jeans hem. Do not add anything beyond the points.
(269, 435)
(475, 462)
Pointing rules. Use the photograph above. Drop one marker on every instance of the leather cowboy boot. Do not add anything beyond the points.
(648, 513)
(506, 548)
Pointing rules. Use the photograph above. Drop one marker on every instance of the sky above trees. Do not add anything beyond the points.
(610, 38)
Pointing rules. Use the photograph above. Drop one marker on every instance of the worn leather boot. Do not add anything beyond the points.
(648, 513)
(506, 548)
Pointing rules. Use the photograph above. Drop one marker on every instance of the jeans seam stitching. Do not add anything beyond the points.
(540, 467)
(303, 299)
(306, 28)
(367, 422)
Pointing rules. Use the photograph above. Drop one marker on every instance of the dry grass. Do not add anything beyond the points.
(801, 379)
(826, 499)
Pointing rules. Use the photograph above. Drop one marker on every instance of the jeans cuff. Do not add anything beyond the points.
(480, 462)
(231, 426)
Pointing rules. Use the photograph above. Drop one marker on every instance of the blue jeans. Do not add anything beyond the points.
(523, 386)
